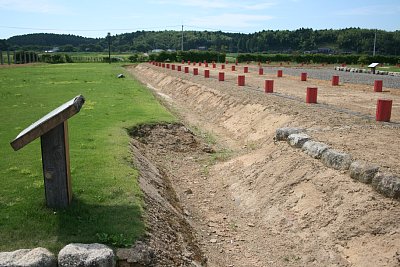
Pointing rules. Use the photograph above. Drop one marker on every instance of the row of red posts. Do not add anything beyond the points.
(383, 109)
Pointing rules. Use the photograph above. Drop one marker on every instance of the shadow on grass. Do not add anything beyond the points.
(117, 226)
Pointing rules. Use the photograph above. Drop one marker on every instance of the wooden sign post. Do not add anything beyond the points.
(53, 132)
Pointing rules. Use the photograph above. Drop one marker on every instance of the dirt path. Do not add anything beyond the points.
(256, 202)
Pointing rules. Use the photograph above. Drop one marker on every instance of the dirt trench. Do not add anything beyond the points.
(246, 200)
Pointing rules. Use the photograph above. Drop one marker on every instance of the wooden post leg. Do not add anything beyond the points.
(55, 157)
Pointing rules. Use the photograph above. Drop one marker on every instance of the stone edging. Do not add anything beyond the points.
(377, 72)
(71, 255)
(387, 184)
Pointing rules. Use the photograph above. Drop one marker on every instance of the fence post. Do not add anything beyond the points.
(15, 57)
(269, 86)
(335, 80)
(1, 56)
(241, 80)
(8, 57)
(378, 85)
(311, 96)
(221, 76)
(383, 109)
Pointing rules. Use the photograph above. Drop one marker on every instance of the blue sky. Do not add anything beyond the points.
(96, 18)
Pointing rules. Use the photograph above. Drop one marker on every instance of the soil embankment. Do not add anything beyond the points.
(256, 202)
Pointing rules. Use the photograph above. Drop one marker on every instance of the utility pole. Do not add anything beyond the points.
(109, 47)
(182, 39)
(374, 44)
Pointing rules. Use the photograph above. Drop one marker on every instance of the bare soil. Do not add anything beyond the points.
(250, 201)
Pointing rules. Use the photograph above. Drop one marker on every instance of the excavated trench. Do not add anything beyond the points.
(170, 239)
(226, 194)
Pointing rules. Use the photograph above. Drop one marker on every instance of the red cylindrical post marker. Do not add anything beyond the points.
(383, 109)
(260, 71)
(163, 65)
(179, 68)
(279, 73)
(304, 76)
(226, 62)
(378, 85)
(241, 79)
(195, 71)
(206, 73)
(269, 86)
(335, 80)
(221, 76)
(173, 66)
(222, 66)
(233, 67)
(214, 65)
(183, 62)
(186, 69)
(199, 64)
(245, 69)
(188, 62)
(168, 66)
(206, 65)
(194, 63)
(311, 96)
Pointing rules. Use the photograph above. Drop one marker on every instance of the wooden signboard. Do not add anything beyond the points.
(53, 132)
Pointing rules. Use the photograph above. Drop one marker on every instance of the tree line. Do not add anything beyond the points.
(303, 40)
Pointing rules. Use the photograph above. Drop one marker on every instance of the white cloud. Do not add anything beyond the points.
(259, 6)
(197, 3)
(230, 21)
(221, 4)
(370, 10)
(32, 6)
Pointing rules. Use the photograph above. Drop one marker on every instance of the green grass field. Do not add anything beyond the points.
(107, 203)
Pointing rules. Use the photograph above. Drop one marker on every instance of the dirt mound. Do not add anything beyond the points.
(256, 202)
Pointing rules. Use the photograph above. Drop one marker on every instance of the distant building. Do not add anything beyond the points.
(54, 50)
(157, 50)
(324, 50)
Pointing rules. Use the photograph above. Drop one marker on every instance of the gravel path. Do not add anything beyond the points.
(346, 77)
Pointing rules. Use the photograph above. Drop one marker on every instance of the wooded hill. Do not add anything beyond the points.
(351, 40)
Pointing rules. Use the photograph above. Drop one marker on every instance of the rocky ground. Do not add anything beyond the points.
(224, 193)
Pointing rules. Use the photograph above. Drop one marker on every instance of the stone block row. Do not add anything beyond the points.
(83, 255)
(387, 184)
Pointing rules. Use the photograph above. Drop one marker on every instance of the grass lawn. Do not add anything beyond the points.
(107, 203)
(389, 68)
